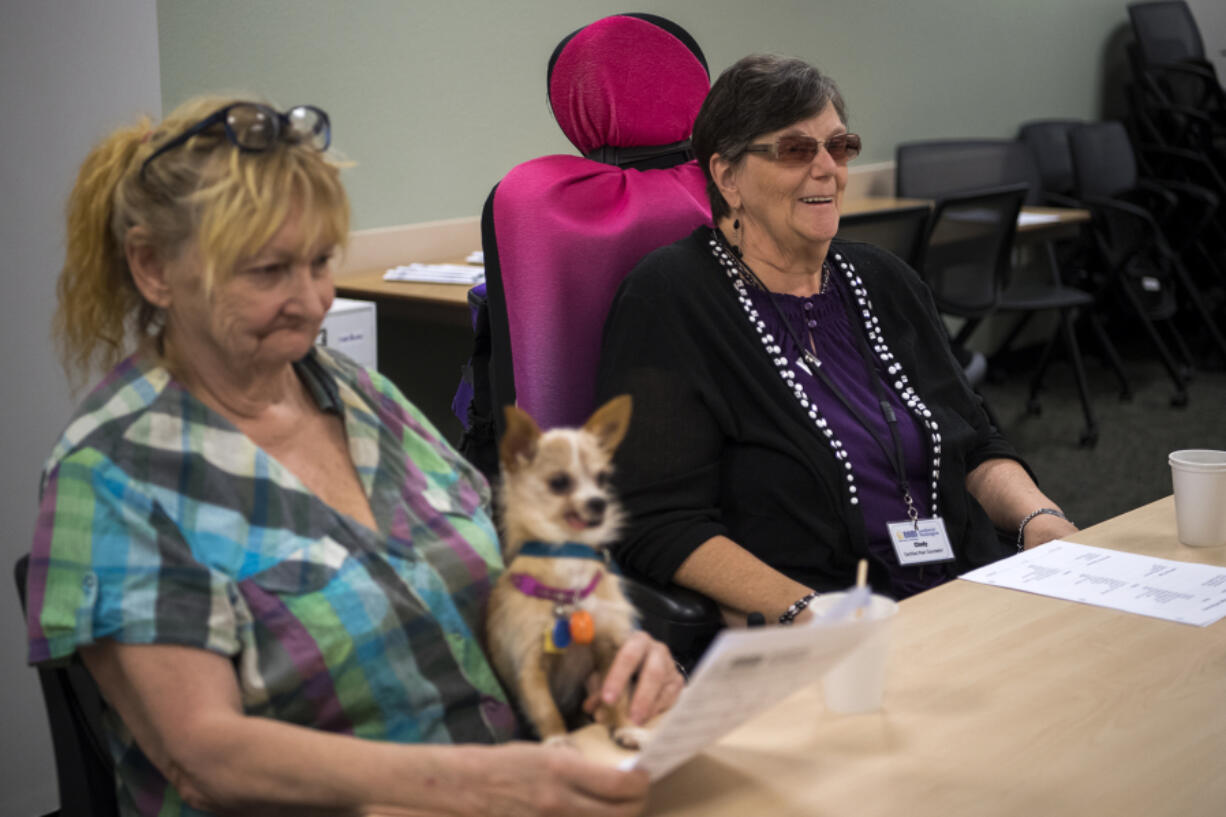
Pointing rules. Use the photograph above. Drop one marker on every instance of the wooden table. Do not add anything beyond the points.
(998, 703)
(447, 303)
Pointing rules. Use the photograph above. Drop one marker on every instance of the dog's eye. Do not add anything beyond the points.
(560, 483)
(603, 478)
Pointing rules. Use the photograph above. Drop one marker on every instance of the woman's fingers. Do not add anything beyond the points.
(658, 680)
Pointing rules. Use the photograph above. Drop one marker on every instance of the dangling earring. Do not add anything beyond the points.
(736, 243)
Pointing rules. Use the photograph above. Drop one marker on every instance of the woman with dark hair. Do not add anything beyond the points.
(797, 406)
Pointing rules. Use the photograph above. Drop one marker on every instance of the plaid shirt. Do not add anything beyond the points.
(161, 523)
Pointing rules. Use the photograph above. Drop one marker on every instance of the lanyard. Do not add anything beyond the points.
(894, 454)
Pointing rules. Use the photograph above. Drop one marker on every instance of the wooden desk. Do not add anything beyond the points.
(1069, 221)
(447, 303)
(998, 703)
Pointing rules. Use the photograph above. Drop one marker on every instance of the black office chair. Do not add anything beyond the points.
(967, 252)
(1134, 220)
(940, 168)
(901, 230)
(1047, 141)
(83, 766)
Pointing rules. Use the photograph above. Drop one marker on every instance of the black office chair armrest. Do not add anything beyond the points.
(681, 618)
(1103, 204)
(1153, 196)
(1195, 204)
(1170, 162)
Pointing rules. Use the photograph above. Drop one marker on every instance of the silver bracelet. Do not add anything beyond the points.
(1021, 528)
(790, 614)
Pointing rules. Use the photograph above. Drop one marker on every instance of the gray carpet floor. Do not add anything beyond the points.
(1129, 466)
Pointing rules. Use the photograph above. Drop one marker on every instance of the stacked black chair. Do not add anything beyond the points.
(939, 169)
(1177, 98)
(83, 766)
(1129, 214)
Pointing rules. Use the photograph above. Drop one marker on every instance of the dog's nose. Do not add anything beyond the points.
(596, 506)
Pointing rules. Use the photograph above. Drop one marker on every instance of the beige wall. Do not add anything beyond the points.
(69, 72)
(437, 100)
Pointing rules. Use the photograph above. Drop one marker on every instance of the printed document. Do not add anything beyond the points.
(1163, 588)
(743, 673)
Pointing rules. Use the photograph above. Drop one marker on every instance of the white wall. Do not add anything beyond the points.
(69, 71)
(1211, 20)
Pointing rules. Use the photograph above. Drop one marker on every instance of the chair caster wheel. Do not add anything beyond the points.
(1180, 399)
(1033, 407)
(1126, 396)
(1088, 439)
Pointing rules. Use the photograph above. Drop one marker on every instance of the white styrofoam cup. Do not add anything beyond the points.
(856, 683)
(1198, 476)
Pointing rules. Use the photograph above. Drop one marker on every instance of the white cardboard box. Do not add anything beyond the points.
(349, 327)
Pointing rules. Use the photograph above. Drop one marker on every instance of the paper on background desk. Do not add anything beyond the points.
(745, 672)
(1024, 219)
(1163, 588)
(437, 273)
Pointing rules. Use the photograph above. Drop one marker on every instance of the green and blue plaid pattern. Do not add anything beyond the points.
(161, 523)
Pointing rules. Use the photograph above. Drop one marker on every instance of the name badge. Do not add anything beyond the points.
(921, 544)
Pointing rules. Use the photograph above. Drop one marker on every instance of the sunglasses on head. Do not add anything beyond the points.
(252, 128)
(800, 150)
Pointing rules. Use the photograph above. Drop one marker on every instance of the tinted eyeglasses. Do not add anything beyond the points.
(252, 128)
(800, 150)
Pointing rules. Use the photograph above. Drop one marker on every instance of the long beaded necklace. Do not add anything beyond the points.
(738, 274)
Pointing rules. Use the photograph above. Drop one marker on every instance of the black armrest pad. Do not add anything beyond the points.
(670, 603)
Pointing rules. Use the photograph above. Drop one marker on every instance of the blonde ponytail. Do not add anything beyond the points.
(95, 289)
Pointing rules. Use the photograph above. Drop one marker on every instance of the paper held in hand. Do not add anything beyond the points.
(746, 672)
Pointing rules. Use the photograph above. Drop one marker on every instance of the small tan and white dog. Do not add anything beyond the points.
(557, 613)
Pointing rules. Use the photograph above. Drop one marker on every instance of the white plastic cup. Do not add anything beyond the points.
(1198, 476)
(856, 683)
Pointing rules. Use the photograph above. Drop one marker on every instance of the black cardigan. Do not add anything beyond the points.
(719, 445)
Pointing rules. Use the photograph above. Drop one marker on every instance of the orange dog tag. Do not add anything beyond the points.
(582, 627)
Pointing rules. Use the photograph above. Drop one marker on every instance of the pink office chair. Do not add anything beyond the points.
(560, 232)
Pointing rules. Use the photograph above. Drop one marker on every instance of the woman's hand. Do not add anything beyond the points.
(1044, 528)
(532, 779)
(657, 680)
(183, 706)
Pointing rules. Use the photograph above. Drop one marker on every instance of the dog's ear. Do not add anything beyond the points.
(518, 445)
(610, 422)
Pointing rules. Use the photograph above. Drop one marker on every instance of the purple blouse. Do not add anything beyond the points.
(823, 319)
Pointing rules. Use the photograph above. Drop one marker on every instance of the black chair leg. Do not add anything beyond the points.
(1198, 303)
(1014, 332)
(1180, 398)
(1089, 437)
(1108, 351)
(1036, 382)
(965, 331)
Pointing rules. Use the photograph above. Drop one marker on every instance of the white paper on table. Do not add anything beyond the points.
(1024, 219)
(743, 673)
(1186, 592)
(436, 273)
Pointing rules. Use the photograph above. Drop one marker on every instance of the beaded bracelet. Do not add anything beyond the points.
(1021, 528)
(789, 615)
